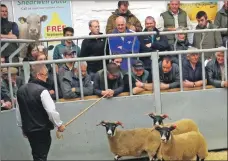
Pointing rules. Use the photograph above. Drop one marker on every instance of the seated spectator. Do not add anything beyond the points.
(192, 70)
(3, 60)
(118, 62)
(67, 54)
(5, 81)
(32, 52)
(139, 77)
(94, 47)
(9, 30)
(210, 39)
(123, 45)
(59, 49)
(114, 80)
(149, 43)
(215, 70)
(181, 43)
(222, 22)
(169, 74)
(70, 83)
(49, 84)
(132, 21)
(5, 100)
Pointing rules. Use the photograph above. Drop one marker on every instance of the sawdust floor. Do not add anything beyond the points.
(221, 155)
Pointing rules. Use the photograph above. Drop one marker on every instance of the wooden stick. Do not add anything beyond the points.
(68, 123)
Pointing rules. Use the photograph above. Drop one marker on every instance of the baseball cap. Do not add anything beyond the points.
(68, 51)
(138, 65)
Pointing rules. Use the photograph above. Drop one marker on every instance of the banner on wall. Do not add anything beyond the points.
(51, 15)
(211, 8)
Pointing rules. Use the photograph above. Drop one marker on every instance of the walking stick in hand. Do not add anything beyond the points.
(59, 136)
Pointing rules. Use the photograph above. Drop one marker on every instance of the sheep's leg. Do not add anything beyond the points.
(117, 157)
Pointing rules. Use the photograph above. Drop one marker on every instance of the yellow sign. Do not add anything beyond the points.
(211, 8)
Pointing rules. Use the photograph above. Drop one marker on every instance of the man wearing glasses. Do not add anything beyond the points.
(114, 80)
(36, 113)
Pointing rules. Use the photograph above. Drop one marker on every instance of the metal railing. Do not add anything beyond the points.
(154, 57)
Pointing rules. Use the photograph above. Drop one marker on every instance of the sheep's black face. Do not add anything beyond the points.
(157, 119)
(110, 127)
(165, 132)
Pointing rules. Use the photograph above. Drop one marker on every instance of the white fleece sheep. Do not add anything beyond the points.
(183, 146)
(131, 142)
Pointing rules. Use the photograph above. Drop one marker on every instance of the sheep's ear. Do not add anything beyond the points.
(172, 127)
(103, 123)
(158, 128)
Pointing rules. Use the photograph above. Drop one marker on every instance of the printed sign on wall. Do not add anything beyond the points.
(42, 19)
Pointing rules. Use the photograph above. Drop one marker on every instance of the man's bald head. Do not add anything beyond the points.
(121, 24)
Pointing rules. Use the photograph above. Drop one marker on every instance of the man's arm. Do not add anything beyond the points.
(49, 106)
(14, 34)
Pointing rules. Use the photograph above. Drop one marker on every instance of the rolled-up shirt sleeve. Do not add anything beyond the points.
(49, 106)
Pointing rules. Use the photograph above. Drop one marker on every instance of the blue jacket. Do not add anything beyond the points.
(126, 45)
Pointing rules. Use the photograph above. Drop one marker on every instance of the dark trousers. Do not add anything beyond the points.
(40, 143)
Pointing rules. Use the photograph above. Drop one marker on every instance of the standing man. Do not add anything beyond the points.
(36, 113)
(9, 30)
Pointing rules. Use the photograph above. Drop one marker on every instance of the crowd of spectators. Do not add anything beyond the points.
(123, 21)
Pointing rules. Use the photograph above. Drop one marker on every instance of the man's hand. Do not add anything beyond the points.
(132, 28)
(61, 128)
(148, 45)
(110, 93)
(226, 84)
(188, 84)
(138, 84)
(172, 29)
(52, 92)
(73, 89)
(164, 86)
(105, 93)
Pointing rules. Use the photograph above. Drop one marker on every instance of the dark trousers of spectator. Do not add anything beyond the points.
(40, 143)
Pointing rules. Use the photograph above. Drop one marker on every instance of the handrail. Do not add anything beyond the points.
(94, 58)
(115, 35)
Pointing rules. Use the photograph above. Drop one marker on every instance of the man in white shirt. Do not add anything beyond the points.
(36, 113)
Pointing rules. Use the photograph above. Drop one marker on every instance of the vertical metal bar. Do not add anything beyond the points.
(16, 52)
(156, 82)
(55, 82)
(80, 80)
(203, 70)
(105, 47)
(26, 69)
(175, 44)
(105, 74)
(181, 72)
(129, 75)
(11, 87)
(225, 61)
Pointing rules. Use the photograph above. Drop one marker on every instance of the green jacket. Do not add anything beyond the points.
(169, 22)
(211, 40)
(130, 18)
(221, 20)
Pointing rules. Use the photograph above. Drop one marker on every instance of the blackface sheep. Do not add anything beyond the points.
(131, 142)
(183, 125)
(183, 146)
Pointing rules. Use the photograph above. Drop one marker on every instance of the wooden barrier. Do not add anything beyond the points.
(142, 93)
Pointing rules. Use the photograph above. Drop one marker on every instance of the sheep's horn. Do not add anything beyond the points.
(119, 123)
(165, 116)
(101, 123)
(151, 113)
